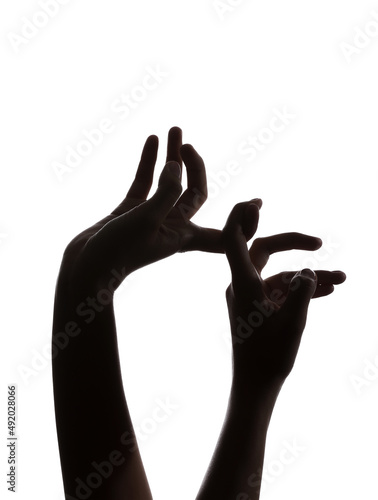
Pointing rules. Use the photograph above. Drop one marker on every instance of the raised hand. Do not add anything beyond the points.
(140, 231)
(87, 376)
(267, 320)
(268, 316)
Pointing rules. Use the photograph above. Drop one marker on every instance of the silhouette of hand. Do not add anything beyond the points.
(139, 232)
(268, 316)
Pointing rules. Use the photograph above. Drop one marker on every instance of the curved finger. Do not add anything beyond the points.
(263, 248)
(278, 284)
(196, 193)
(145, 172)
(168, 191)
(294, 310)
(174, 144)
(211, 240)
(243, 271)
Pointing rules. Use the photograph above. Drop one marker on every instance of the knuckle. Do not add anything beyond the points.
(229, 292)
(257, 243)
(200, 196)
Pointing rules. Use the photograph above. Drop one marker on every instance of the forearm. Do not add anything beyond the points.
(239, 454)
(92, 417)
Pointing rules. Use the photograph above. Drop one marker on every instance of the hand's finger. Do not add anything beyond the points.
(282, 280)
(326, 282)
(169, 189)
(262, 248)
(173, 146)
(330, 277)
(294, 309)
(278, 284)
(144, 175)
(235, 245)
(323, 291)
(196, 193)
(211, 240)
(203, 239)
(249, 223)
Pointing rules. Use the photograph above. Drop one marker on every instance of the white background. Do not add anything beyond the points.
(225, 74)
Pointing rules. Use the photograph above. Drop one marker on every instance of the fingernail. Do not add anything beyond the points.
(174, 168)
(308, 272)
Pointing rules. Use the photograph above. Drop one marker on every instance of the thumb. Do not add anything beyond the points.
(168, 191)
(240, 226)
(301, 291)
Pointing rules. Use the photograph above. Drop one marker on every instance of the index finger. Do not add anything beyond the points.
(263, 248)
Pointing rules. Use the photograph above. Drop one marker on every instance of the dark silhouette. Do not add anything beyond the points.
(98, 449)
(267, 319)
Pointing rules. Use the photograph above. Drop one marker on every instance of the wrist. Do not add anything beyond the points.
(250, 393)
(80, 279)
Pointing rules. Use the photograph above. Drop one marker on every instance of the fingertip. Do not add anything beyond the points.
(341, 276)
(175, 133)
(193, 161)
(170, 177)
(256, 201)
(309, 273)
(243, 219)
(305, 279)
(174, 168)
(233, 223)
(186, 148)
(153, 139)
(251, 212)
(250, 220)
(318, 242)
